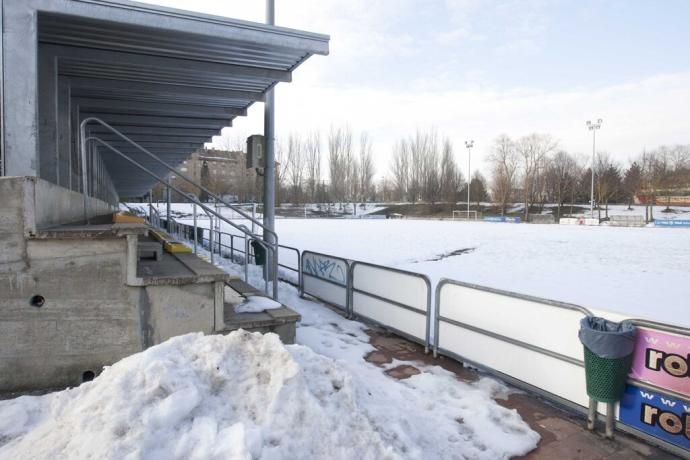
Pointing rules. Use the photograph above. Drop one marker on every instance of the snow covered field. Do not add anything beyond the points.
(641, 272)
(638, 271)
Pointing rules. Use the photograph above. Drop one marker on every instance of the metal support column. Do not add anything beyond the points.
(167, 206)
(269, 154)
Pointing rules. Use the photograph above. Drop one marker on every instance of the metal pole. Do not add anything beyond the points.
(469, 144)
(469, 179)
(195, 227)
(594, 149)
(253, 217)
(210, 236)
(167, 206)
(269, 154)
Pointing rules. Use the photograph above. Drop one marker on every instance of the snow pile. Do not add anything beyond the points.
(238, 396)
(247, 396)
(257, 304)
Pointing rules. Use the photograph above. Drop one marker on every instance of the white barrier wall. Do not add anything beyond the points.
(325, 277)
(528, 340)
(397, 299)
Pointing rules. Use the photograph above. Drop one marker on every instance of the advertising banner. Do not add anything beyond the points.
(672, 223)
(662, 359)
(657, 415)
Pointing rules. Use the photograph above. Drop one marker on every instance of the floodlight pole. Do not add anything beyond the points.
(469, 145)
(593, 126)
(269, 153)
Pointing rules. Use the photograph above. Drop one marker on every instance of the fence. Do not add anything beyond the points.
(326, 277)
(527, 341)
(533, 343)
(627, 221)
(578, 221)
(397, 299)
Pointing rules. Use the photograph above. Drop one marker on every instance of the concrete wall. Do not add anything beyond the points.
(91, 316)
(168, 311)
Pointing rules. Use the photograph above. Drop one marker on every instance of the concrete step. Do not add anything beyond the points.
(281, 321)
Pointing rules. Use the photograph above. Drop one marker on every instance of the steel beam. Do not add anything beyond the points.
(158, 88)
(158, 121)
(144, 138)
(198, 67)
(156, 108)
(155, 131)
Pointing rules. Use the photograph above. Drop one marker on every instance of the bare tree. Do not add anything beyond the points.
(533, 150)
(400, 169)
(608, 181)
(340, 161)
(313, 163)
(504, 164)
(450, 175)
(295, 166)
(366, 167)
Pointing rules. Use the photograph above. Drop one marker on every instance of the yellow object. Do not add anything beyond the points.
(121, 218)
(169, 243)
(176, 247)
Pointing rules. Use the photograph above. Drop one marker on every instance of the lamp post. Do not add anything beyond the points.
(593, 126)
(469, 144)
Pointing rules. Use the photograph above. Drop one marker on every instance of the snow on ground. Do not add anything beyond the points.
(255, 304)
(635, 271)
(248, 396)
(640, 272)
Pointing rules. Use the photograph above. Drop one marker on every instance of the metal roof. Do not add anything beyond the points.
(167, 78)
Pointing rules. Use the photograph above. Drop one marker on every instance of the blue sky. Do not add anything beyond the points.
(477, 69)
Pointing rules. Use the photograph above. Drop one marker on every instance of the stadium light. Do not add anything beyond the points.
(593, 126)
(469, 144)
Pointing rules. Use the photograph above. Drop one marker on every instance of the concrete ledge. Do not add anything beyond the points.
(176, 269)
(101, 231)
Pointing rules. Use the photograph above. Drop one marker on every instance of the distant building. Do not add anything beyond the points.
(222, 172)
(674, 197)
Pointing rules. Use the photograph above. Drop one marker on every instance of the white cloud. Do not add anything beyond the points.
(396, 66)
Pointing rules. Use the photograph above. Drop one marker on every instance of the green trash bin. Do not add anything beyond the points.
(259, 253)
(608, 350)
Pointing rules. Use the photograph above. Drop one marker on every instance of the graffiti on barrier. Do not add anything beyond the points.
(324, 267)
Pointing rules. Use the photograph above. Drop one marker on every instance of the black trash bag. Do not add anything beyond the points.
(607, 339)
(259, 253)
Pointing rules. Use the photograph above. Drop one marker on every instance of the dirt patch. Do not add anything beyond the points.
(403, 372)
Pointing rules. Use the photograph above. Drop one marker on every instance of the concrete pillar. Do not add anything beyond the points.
(20, 45)
(47, 116)
(64, 135)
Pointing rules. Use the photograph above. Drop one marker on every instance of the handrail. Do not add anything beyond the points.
(270, 245)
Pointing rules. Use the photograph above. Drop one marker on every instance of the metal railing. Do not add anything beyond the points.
(225, 245)
(426, 339)
(269, 244)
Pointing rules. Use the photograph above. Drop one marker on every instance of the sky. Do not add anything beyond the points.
(476, 69)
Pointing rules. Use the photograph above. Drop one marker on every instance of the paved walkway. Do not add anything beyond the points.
(563, 435)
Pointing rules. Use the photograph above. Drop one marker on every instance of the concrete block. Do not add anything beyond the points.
(177, 310)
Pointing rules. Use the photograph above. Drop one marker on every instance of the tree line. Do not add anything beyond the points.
(349, 167)
(533, 170)
(337, 167)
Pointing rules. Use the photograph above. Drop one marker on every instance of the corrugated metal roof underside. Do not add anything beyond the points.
(171, 90)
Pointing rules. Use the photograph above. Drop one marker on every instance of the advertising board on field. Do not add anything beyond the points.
(662, 359)
(656, 414)
(672, 223)
(505, 219)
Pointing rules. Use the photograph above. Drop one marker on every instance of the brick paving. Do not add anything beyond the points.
(563, 434)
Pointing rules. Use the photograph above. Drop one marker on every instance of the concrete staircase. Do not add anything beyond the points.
(77, 297)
